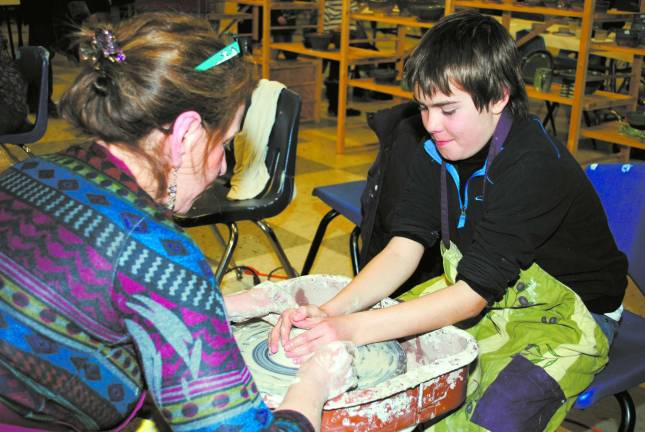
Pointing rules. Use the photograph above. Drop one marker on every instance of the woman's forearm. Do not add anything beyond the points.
(305, 398)
(236, 303)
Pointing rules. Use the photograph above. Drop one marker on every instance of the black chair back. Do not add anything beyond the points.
(211, 207)
(33, 63)
(281, 154)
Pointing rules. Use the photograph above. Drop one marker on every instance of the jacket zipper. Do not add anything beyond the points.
(463, 203)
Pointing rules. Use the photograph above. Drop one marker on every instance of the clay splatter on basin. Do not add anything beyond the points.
(431, 381)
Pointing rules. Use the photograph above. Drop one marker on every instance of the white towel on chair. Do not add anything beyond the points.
(250, 174)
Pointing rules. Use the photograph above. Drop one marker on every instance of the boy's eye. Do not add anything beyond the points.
(422, 107)
(448, 111)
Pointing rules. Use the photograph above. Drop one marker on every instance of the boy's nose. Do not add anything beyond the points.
(430, 122)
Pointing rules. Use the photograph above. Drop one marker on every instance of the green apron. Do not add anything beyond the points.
(538, 318)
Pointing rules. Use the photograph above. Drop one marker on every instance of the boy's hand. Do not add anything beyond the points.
(322, 330)
(289, 318)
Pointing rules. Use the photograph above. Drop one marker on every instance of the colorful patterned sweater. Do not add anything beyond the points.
(102, 296)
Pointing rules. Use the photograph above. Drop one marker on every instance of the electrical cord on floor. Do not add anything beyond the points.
(271, 274)
(239, 270)
(255, 273)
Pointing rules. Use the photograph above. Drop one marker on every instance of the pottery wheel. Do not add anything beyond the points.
(374, 363)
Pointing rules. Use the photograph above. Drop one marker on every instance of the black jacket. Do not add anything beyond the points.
(538, 207)
(401, 134)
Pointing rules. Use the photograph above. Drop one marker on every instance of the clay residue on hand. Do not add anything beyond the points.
(301, 297)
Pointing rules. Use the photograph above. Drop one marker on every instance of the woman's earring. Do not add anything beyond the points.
(172, 190)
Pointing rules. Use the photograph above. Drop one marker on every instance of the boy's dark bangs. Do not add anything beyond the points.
(461, 69)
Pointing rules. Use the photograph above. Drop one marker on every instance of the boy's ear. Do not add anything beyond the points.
(183, 125)
(498, 106)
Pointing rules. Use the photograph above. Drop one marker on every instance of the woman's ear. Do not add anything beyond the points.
(184, 124)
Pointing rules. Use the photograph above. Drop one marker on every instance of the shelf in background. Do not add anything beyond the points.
(609, 132)
(408, 21)
(355, 55)
(295, 5)
(514, 7)
(304, 5)
(603, 99)
(552, 96)
(615, 15)
(598, 100)
(370, 84)
(615, 48)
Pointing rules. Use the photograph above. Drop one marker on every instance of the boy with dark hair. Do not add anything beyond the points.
(531, 268)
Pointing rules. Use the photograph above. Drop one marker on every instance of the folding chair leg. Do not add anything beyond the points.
(315, 244)
(353, 249)
(277, 248)
(218, 235)
(8, 152)
(228, 251)
(628, 412)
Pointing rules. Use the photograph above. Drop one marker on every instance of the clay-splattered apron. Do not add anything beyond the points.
(539, 348)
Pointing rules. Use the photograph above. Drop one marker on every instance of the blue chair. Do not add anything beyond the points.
(344, 199)
(33, 64)
(621, 188)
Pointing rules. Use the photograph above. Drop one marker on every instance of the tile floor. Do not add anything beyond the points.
(318, 164)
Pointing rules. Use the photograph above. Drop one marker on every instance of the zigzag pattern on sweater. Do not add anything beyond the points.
(140, 263)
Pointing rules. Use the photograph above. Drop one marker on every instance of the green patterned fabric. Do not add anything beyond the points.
(538, 318)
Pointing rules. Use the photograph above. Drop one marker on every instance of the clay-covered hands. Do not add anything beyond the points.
(331, 368)
(276, 297)
(297, 317)
(322, 329)
(263, 299)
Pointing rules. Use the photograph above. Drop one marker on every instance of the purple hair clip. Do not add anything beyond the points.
(104, 45)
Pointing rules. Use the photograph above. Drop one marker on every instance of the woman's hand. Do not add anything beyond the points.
(331, 368)
(289, 318)
(327, 374)
(263, 299)
(276, 297)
